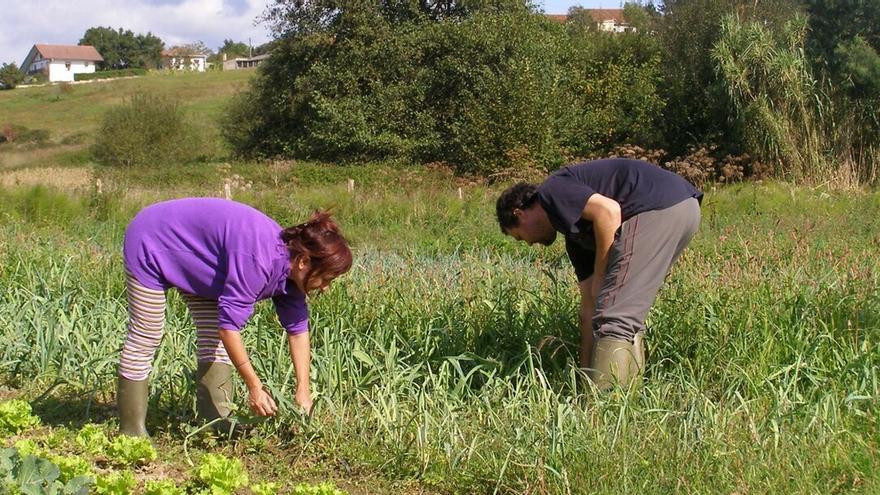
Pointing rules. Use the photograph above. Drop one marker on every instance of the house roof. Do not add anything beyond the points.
(69, 52)
(249, 59)
(181, 51)
(598, 15)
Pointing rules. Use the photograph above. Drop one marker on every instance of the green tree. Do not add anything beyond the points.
(844, 47)
(698, 108)
(234, 49)
(123, 49)
(833, 23)
(487, 91)
(10, 76)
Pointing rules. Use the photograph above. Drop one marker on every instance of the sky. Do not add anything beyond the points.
(25, 23)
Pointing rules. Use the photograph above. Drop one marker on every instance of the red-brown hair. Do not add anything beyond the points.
(319, 243)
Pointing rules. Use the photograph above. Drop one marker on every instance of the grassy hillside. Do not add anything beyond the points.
(72, 113)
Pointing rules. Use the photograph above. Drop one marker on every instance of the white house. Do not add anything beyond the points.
(243, 62)
(606, 20)
(61, 62)
(182, 58)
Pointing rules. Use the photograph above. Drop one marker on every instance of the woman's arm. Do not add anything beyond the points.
(260, 401)
(301, 355)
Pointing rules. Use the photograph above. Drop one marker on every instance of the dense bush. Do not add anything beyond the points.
(144, 130)
(10, 76)
(698, 106)
(474, 92)
(109, 74)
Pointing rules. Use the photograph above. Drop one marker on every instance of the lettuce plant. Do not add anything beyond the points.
(92, 439)
(325, 488)
(267, 488)
(15, 417)
(125, 450)
(118, 483)
(221, 475)
(163, 487)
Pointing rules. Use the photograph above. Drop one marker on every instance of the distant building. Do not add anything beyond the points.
(61, 62)
(243, 63)
(182, 58)
(606, 20)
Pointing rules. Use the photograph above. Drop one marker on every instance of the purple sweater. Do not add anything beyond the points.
(217, 249)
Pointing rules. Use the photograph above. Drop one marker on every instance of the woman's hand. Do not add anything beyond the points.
(304, 399)
(261, 402)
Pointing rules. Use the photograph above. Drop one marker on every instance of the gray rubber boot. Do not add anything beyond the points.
(132, 399)
(617, 362)
(214, 393)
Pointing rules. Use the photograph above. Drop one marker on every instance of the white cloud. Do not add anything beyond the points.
(22, 24)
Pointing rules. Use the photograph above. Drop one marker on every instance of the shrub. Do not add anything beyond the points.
(144, 130)
(12, 133)
(473, 91)
(10, 76)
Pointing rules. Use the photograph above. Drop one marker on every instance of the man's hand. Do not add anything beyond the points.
(261, 403)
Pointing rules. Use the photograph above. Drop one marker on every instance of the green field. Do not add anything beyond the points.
(443, 362)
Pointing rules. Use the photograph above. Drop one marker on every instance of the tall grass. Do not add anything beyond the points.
(785, 113)
(451, 363)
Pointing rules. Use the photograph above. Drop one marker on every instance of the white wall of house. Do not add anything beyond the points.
(197, 64)
(63, 70)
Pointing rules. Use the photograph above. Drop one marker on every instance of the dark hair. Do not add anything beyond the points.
(320, 243)
(522, 196)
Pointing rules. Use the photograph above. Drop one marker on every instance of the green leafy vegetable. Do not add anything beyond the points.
(127, 451)
(325, 488)
(92, 439)
(268, 488)
(220, 474)
(118, 483)
(163, 487)
(15, 417)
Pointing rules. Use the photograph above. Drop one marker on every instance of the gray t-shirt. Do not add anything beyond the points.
(637, 185)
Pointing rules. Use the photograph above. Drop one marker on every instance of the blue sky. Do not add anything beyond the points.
(24, 23)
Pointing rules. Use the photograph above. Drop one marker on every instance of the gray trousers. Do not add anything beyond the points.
(641, 256)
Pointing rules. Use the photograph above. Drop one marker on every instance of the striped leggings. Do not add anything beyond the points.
(146, 313)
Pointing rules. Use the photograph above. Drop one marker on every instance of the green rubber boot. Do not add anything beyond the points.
(214, 393)
(132, 399)
(618, 362)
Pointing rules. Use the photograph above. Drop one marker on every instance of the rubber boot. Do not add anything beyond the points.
(617, 362)
(132, 398)
(214, 393)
